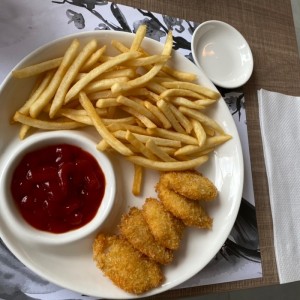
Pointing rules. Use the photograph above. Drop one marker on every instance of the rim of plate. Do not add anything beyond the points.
(234, 210)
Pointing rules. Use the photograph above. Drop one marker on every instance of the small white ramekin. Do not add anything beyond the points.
(222, 53)
(11, 213)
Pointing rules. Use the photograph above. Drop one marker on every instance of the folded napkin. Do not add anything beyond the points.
(280, 127)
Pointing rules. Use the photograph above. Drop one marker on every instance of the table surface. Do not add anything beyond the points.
(269, 29)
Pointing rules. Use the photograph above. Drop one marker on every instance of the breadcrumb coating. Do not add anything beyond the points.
(190, 184)
(189, 211)
(166, 229)
(128, 268)
(148, 236)
(136, 230)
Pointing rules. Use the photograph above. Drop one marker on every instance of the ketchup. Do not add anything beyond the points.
(58, 188)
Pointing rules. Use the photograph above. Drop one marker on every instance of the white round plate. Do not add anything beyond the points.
(71, 266)
(222, 53)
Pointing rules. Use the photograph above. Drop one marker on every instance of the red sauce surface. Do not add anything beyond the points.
(58, 188)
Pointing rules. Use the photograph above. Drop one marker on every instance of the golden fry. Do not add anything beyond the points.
(180, 93)
(158, 114)
(38, 68)
(168, 166)
(150, 144)
(44, 83)
(130, 73)
(81, 112)
(120, 134)
(125, 120)
(202, 118)
(124, 126)
(107, 102)
(204, 102)
(102, 145)
(199, 132)
(155, 87)
(173, 135)
(93, 59)
(46, 125)
(181, 118)
(103, 84)
(181, 101)
(138, 107)
(119, 46)
(80, 119)
(192, 87)
(69, 77)
(146, 121)
(109, 94)
(118, 88)
(165, 108)
(101, 128)
(211, 142)
(23, 131)
(183, 76)
(149, 60)
(140, 147)
(51, 89)
(137, 180)
(83, 82)
(138, 38)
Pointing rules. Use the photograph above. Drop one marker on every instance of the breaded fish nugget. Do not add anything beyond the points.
(189, 211)
(128, 268)
(136, 230)
(166, 229)
(190, 184)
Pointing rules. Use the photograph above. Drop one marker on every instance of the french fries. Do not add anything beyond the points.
(153, 115)
(79, 85)
(199, 132)
(166, 109)
(51, 89)
(189, 86)
(150, 144)
(137, 180)
(46, 125)
(139, 146)
(141, 80)
(101, 128)
(38, 68)
(168, 166)
(70, 76)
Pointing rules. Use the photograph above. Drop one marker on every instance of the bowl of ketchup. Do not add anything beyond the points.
(57, 187)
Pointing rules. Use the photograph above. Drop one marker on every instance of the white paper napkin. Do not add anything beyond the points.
(280, 127)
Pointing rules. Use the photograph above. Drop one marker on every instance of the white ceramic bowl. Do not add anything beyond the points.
(43, 139)
(222, 53)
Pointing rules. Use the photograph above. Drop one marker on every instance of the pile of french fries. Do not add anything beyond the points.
(142, 108)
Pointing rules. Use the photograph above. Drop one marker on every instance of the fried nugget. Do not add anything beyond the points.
(128, 268)
(136, 230)
(190, 184)
(189, 211)
(166, 229)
